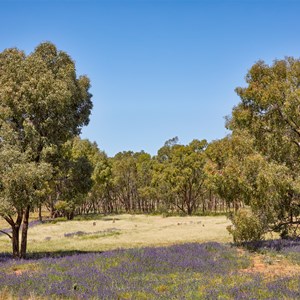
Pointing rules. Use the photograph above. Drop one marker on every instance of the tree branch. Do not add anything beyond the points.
(297, 143)
(288, 122)
(1, 231)
(9, 220)
(280, 225)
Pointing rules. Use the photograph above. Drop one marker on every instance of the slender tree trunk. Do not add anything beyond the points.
(51, 203)
(40, 213)
(24, 232)
(189, 210)
(236, 206)
(15, 226)
(15, 241)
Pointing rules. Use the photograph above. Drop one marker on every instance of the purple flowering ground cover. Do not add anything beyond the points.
(187, 271)
(288, 247)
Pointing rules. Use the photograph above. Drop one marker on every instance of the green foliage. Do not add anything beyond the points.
(269, 109)
(269, 114)
(73, 180)
(225, 167)
(65, 208)
(180, 174)
(42, 105)
(246, 228)
(22, 183)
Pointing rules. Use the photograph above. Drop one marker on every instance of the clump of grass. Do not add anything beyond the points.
(99, 235)
(92, 235)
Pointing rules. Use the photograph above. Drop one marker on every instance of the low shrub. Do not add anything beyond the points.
(245, 228)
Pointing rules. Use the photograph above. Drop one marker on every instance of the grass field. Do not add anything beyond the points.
(147, 257)
(123, 231)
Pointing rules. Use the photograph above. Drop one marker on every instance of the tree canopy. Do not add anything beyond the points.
(269, 112)
(43, 103)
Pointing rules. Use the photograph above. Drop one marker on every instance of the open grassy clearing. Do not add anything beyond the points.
(197, 262)
(123, 231)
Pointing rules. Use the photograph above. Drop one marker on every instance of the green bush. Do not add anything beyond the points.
(245, 228)
(65, 209)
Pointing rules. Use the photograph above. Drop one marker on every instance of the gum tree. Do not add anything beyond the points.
(269, 111)
(180, 174)
(225, 168)
(43, 103)
(72, 180)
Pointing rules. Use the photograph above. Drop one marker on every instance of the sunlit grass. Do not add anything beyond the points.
(123, 231)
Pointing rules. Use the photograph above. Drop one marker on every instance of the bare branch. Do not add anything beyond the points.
(1, 231)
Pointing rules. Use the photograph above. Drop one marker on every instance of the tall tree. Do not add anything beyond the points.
(72, 180)
(147, 195)
(181, 174)
(225, 168)
(124, 172)
(270, 112)
(42, 104)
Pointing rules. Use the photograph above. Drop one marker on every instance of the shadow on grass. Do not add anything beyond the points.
(90, 217)
(275, 245)
(47, 254)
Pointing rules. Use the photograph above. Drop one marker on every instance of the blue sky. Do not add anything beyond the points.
(158, 69)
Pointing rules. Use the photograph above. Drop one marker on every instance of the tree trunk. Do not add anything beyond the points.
(15, 241)
(189, 210)
(15, 226)
(236, 206)
(51, 204)
(40, 213)
(24, 232)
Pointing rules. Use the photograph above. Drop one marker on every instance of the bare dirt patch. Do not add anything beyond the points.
(18, 272)
(270, 267)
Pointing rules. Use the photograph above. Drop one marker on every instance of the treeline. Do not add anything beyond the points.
(176, 180)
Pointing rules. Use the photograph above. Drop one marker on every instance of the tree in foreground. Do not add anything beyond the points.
(269, 112)
(42, 105)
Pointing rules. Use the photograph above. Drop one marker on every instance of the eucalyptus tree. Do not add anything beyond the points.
(269, 111)
(124, 176)
(147, 200)
(99, 182)
(225, 168)
(180, 174)
(23, 184)
(101, 197)
(130, 182)
(73, 178)
(43, 103)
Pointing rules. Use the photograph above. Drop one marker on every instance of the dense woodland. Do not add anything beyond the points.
(174, 181)
(44, 163)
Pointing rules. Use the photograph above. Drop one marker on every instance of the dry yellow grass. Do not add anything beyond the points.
(3, 223)
(124, 231)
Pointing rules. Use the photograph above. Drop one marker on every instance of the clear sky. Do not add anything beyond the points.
(158, 68)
